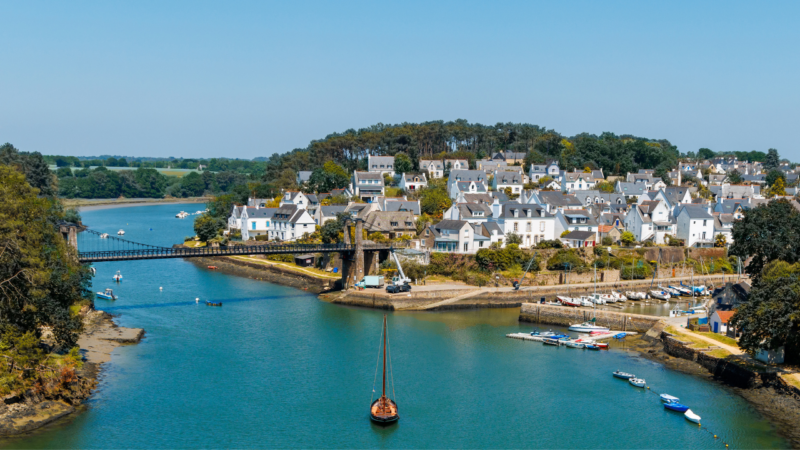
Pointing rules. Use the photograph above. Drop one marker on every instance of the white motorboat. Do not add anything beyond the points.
(586, 327)
(117, 277)
(585, 301)
(104, 236)
(574, 344)
(638, 382)
(182, 215)
(661, 295)
(597, 299)
(692, 417)
(121, 232)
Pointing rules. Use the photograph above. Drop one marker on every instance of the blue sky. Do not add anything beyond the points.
(247, 79)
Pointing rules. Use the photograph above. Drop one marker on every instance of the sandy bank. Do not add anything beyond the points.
(108, 203)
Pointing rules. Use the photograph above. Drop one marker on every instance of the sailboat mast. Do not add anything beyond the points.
(384, 355)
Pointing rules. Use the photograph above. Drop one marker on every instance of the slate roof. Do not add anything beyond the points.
(424, 164)
(631, 188)
(558, 199)
(386, 161)
(580, 235)
(478, 198)
(409, 177)
(382, 221)
(450, 225)
(696, 211)
(467, 175)
(405, 205)
(332, 210)
(463, 186)
(369, 176)
(260, 213)
(469, 210)
(507, 211)
(675, 194)
(506, 177)
(491, 227)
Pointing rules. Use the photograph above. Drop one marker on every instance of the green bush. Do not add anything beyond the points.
(282, 258)
(550, 244)
(262, 237)
(607, 241)
(638, 271)
(564, 260)
(503, 259)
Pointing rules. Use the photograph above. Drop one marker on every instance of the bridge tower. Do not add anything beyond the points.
(353, 263)
(70, 233)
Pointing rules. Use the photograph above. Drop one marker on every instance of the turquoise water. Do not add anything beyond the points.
(275, 367)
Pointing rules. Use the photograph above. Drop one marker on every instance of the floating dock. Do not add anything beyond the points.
(599, 337)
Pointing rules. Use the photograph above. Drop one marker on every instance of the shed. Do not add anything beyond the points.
(306, 260)
(719, 321)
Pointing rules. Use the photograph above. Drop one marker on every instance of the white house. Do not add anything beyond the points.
(451, 236)
(575, 220)
(295, 198)
(531, 222)
(470, 212)
(571, 181)
(413, 181)
(650, 221)
(456, 164)
(468, 181)
(235, 219)
(434, 168)
(368, 185)
(289, 223)
(718, 322)
(630, 190)
(508, 180)
(695, 225)
(552, 201)
(380, 164)
(539, 171)
(723, 224)
(256, 221)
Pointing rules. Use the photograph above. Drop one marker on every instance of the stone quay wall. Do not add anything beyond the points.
(559, 315)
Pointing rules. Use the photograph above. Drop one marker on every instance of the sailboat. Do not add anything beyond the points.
(384, 409)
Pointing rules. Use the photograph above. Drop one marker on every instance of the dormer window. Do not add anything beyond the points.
(516, 213)
(528, 212)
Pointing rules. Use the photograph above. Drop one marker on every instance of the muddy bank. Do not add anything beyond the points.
(27, 411)
(272, 273)
(106, 203)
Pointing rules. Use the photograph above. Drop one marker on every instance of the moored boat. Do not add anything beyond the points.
(659, 294)
(121, 232)
(638, 382)
(635, 295)
(384, 410)
(681, 290)
(587, 327)
(592, 347)
(691, 417)
(618, 296)
(675, 406)
(666, 398)
(620, 335)
(568, 301)
(117, 277)
(574, 344)
(104, 236)
(551, 341)
(108, 294)
(623, 375)
(670, 291)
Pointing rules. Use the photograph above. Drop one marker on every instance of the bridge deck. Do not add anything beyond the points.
(183, 252)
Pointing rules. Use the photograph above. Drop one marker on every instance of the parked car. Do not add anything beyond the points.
(392, 289)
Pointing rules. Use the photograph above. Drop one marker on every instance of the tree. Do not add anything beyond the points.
(607, 241)
(333, 230)
(734, 177)
(663, 173)
(769, 319)
(705, 153)
(192, 185)
(772, 160)
(766, 233)
(773, 176)
(778, 188)
(32, 165)
(605, 186)
(402, 163)
(434, 199)
(627, 238)
(720, 240)
(40, 277)
(564, 233)
(513, 238)
(208, 227)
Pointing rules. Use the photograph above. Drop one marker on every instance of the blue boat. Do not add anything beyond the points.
(592, 347)
(620, 335)
(675, 406)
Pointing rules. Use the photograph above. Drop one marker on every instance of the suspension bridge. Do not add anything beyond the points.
(359, 258)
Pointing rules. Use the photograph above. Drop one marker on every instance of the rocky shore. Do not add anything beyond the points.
(24, 412)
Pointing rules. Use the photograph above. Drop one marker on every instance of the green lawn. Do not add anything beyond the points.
(721, 338)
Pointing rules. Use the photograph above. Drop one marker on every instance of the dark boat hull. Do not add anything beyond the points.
(383, 420)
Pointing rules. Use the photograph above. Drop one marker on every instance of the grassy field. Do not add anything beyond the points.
(721, 338)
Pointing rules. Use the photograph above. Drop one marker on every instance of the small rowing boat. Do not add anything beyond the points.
(692, 417)
(675, 406)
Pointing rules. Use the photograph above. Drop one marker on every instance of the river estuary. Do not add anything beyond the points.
(276, 367)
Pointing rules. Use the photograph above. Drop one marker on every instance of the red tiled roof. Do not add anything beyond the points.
(725, 316)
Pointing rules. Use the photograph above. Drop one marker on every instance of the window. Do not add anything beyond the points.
(516, 227)
(254, 225)
(528, 227)
(423, 242)
(541, 226)
(704, 223)
(480, 244)
(394, 224)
